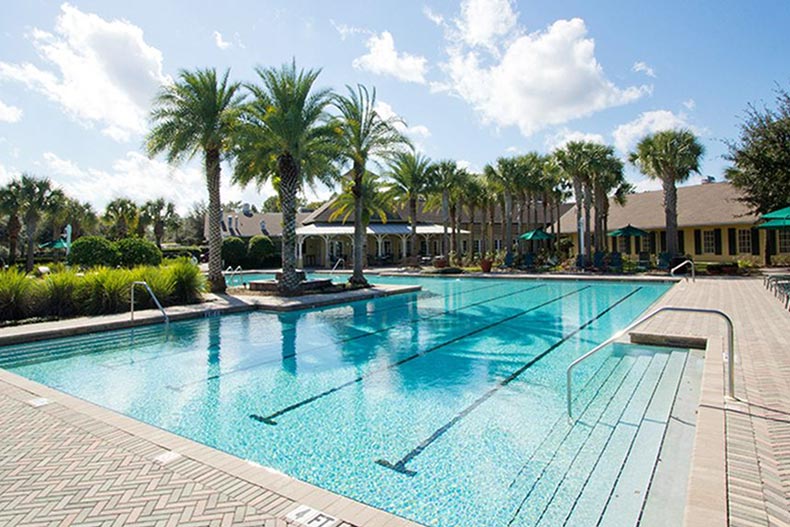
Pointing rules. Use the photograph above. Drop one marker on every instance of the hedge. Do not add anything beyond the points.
(259, 250)
(137, 251)
(234, 251)
(93, 251)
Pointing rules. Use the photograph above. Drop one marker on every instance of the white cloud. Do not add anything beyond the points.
(220, 42)
(433, 16)
(565, 136)
(345, 30)
(627, 135)
(418, 131)
(99, 71)
(690, 104)
(139, 178)
(9, 114)
(544, 78)
(6, 174)
(644, 68)
(484, 22)
(383, 59)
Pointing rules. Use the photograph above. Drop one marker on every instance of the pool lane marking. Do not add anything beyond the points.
(400, 465)
(363, 334)
(270, 419)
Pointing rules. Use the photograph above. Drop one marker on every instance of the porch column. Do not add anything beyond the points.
(380, 245)
(299, 252)
(403, 239)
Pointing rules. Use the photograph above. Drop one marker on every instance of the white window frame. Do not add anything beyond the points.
(622, 248)
(497, 245)
(708, 242)
(744, 239)
(783, 245)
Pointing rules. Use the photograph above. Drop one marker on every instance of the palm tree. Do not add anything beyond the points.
(606, 176)
(446, 181)
(122, 216)
(411, 178)
(160, 214)
(363, 134)
(505, 174)
(197, 114)
(573, 159)
(374, 200)
(286, 135)
(670, 156)
(36, 197)
(10, 207)
(474, 198)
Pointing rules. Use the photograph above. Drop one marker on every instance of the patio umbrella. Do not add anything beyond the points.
(536, 234)
(628, 230)
(779, 223)
(60, 243)
(781, 214)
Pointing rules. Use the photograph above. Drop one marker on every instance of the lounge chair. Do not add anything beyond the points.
(616, 262)
(528, 261)
(663, 261)
(644, 262)
(508, 263)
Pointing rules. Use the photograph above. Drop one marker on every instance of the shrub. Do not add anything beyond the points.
(234, 251)
(60, 294)
(160, 282)
(188, 281)
(93, 251)
(137, 251)
(104, 291)
(259, 250)
(15, 294)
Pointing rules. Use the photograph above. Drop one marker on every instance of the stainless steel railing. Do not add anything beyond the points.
(680, 266)
(153, 297)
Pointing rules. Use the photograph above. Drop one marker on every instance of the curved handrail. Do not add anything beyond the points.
(153, 296)
(231, 273)
(338, 262)
(683, 263)
(730, 348)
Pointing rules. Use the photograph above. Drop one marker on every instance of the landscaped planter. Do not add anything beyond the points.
(485, 265)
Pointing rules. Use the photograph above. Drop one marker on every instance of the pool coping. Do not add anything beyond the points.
(214, 305)
(538, 276)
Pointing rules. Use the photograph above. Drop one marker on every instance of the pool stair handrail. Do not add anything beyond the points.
(337, 263)
(153, 297)
(684, 263)
(619, 334)
(235, 273)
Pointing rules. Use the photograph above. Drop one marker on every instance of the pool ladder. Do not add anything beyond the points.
(153, 297)
(232, 273)
(619, 334)
(681, 265)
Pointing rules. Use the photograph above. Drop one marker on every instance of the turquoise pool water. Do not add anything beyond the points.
(445, 406)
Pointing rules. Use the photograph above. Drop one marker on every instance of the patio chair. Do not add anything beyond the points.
(663, 261)
(599, 261)
(616, 262)
(644, 262)
(508, 263)
(528, 262)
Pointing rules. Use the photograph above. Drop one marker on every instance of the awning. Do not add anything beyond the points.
(628, 230)
(781, 214)
(536, 234)
(783, 223)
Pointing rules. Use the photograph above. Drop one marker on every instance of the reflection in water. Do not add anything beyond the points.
(289, 325)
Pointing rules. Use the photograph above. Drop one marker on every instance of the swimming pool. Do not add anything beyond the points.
(446, 406)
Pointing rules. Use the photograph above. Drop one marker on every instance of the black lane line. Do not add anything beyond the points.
(400, 465)
(269, 419)
(363, 334)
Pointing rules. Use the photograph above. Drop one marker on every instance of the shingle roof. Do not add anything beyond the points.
(698, 205)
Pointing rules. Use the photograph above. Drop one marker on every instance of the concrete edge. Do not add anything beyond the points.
(542, 276)
(322, 300)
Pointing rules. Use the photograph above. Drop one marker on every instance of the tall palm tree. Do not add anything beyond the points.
(447, 172)
(286, 135)
(197, 114)
(505, 174)
(670, 156)
(474, 198)
(374, 200)
(160, 214)
(10, 206)
(574, 160)
(122, 217)
(37, 197)
(411, 179)
(605, 176)
(364, 134)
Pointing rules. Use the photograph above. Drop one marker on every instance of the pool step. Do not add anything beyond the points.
(588, 465)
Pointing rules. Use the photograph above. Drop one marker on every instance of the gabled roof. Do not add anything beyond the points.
(698, 206)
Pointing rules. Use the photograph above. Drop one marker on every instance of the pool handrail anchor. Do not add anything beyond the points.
(684, 263)
(153, 297)
(619, 334)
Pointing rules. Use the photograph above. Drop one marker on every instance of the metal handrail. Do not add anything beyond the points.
(232, 273)
(153, 296)
(685, 262)
(619, 334)
(338, 262)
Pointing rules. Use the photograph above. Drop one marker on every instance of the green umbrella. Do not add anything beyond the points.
(783, 223)
(628, 230)
(781, 214)
(60, 243)
(536, 234)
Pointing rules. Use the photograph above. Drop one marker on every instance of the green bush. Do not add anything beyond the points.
(15, 294)
(234, 251)
(188, 281)
(93, 251)
(137, 251)
(60, 298)
(259, 250)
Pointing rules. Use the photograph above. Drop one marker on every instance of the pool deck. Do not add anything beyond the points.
(67, 461)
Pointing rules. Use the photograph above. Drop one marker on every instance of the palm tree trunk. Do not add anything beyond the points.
(289, 177)
(445, 219)
(453, 230)
(30, 225)
(671, 214)
(587, 227)
(491, 208)
(358, 277)
(159, 233)
(577, 191)
(471, 232)
(520, 219)
(413, 237)
(13, 237)
(508, 221)
(215, 277)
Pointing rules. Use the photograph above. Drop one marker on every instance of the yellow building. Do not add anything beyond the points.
(714, 225)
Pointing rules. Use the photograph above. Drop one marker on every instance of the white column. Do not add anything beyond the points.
(380, 245)
(403, 245)
(299, 252)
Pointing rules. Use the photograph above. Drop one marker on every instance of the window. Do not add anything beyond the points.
(336, 249)
(745, 241)
(477, 246)
(708, 242)
(387, 247)
(622, 244)
(423, 248)
(464, 246)
(784, 240)
(498, 245)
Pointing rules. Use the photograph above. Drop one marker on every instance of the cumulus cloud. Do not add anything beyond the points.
(690, 104)
(565, 136)
(644, 68)
(433, 16)
(9, 114)
(418, 131)
(484, 22)
(99, 71)
(221, 42)
(346, 31)
(628, 134)
(383, 59)
(534, 80)
(137, 177)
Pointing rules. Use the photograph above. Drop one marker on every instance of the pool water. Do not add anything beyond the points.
(445, 406)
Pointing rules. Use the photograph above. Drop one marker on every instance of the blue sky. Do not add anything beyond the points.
(474, 80)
